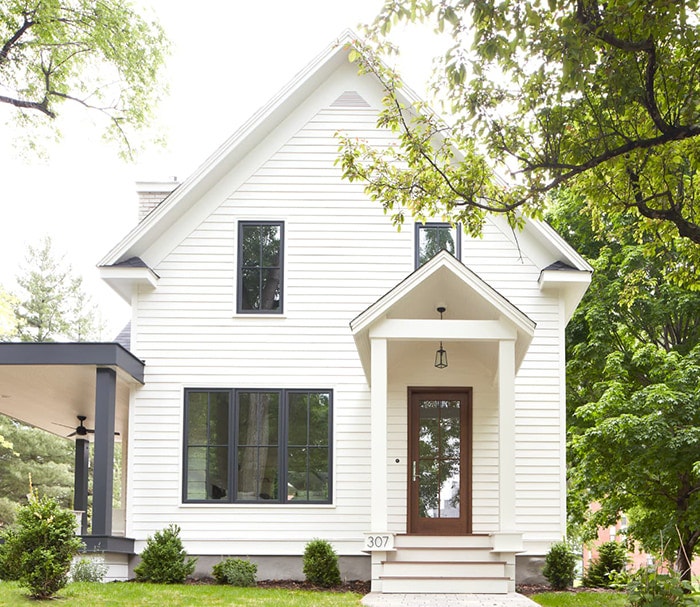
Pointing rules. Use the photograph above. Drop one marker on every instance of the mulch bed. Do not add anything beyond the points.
(529, 589)
(358, 586)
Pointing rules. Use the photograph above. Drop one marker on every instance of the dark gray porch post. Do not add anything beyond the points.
(105, 405)
(80, 484)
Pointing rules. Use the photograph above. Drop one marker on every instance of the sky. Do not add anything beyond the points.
(229, 57)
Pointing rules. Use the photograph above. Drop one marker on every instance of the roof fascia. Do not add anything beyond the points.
(232, 150)
(443, 259)
(84, 353)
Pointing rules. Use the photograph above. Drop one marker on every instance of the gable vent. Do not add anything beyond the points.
(350, 99)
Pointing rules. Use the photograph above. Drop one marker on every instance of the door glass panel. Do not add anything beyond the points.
(439, 458)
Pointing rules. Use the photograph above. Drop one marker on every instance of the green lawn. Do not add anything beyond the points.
(580, 599)
(131, 594)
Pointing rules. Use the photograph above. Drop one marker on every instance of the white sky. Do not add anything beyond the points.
(229, 57)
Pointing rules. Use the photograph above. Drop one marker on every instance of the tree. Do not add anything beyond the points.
(51, 304)
(100, 55)
(45, 459)
(633, 381)
(7, 317)
(599, 97)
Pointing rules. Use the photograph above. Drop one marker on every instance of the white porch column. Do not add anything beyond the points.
(379, 436)
(506, 419)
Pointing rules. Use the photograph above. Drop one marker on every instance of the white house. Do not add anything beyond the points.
(281, 383)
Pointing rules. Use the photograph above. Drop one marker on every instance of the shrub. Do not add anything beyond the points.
(38, 551)
(235, 572)
(560, 566)
(321, 564)
(164, 560)
(649, 588)
(611, 560)
(9, 565)
(88, 569)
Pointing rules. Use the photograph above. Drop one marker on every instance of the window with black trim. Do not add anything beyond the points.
(431, 238)
(260, 267)
(261, 446)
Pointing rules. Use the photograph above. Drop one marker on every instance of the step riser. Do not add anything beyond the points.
(460, 555)
(446, 541)
(436, 586)
(438, 570)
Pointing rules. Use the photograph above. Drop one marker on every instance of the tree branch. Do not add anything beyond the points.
(30, 105)
(650, 92)
(5, 50)
(685, 228)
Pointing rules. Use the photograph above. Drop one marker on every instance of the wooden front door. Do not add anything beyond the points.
(439, 448)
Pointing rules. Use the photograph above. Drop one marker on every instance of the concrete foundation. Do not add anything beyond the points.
(528, 569)
(278, 567)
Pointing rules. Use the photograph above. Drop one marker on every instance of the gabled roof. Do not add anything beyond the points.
(232, 151)
(447, 282)
(164, 227)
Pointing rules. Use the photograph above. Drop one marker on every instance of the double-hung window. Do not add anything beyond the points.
(260, 267)
(258, 446)
(431, 238)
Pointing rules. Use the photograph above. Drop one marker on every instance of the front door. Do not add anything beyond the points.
(439, 448)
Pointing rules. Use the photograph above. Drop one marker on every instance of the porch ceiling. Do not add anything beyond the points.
(47, 385)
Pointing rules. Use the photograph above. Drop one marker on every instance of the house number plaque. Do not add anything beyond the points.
(379, 541)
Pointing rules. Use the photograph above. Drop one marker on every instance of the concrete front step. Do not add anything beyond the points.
(444, 565)
(443, 541)
(444, 585)
(448, 553)
(439, 569)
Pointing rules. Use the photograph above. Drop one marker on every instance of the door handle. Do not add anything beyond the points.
(414, 475)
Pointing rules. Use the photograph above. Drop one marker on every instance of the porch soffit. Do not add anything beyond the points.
(47, 385)
(475, 311)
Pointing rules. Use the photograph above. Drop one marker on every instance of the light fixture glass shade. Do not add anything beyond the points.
(441, 357)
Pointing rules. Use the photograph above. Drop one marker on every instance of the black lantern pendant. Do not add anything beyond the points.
(441, 354)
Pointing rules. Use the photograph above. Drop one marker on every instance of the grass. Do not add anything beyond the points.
(134, 594)
(580, 599)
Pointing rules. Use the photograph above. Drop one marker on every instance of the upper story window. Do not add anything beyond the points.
(260, 267)
(261, 446)
(431, 238)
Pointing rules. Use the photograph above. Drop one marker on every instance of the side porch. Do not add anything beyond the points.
(86, 387)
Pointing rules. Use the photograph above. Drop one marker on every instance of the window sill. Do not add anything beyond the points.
(189, 505)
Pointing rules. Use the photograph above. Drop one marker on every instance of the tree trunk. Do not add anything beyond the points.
(684, 557)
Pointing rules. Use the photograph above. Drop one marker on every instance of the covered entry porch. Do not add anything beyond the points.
(58, 386)
(443, 513)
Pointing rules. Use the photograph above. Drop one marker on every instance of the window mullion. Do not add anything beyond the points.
(282, 440)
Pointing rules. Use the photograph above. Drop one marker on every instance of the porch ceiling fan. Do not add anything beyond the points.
(80, 429)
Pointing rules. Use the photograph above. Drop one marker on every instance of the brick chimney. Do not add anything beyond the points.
(152, 193)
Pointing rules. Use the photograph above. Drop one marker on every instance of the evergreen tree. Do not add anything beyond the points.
(51, 304)
(45, 458)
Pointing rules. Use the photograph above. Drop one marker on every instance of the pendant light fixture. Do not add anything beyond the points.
(441, 354)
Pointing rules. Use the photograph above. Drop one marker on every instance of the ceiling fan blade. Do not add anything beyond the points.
(63, 425)
(71, 434)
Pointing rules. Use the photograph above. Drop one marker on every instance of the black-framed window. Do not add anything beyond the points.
(260, 267)
(258, 446)
(431, 238)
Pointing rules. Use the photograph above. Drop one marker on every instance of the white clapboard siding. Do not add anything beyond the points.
(341, 254)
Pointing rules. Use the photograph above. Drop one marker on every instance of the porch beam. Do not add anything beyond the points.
(462, 330)
(105, 405)
(379, 428)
